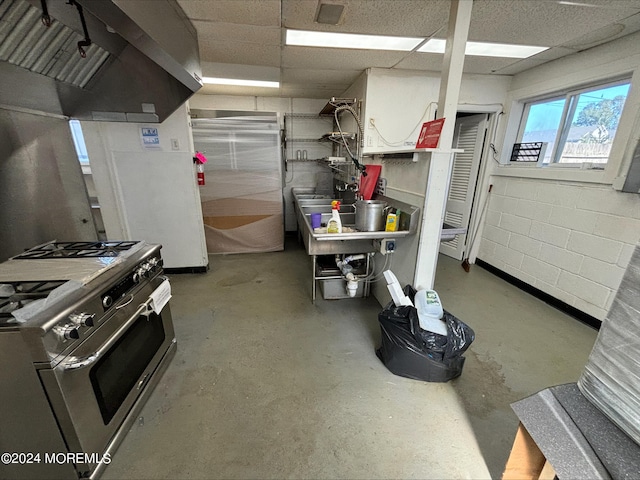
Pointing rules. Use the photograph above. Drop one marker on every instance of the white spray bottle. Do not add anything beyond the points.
(334, 225)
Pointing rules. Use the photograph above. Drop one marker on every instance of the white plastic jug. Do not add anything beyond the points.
(430, 312)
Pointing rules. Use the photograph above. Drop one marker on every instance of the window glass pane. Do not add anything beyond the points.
(594, 124)
(78, 141)
(543, 122)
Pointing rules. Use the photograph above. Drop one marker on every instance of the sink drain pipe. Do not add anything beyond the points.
(347, 272)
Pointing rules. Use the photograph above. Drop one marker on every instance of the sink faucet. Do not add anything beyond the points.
(343, 187)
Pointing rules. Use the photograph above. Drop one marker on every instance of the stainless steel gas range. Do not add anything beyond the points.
(85, 335)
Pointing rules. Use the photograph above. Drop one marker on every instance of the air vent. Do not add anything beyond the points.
(329, 13)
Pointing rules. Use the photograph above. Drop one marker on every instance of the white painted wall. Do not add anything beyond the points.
(298, 174)
(570, 240)
(399, 102)
(567, 232)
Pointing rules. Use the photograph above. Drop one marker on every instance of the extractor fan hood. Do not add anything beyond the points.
(140, 60)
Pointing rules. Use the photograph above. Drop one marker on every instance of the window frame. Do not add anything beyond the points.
(571, 96)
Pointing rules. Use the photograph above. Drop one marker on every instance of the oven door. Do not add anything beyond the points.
(93, 390)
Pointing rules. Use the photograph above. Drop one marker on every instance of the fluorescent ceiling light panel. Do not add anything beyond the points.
(240, 82)
(579, 4)
(485, 49)
(305, 38)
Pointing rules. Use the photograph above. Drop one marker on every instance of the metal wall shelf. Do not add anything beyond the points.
(330, 107)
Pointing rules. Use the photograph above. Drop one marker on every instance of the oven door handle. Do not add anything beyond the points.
(75, 363)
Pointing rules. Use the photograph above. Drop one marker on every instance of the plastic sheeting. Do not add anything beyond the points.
(410, 352)
(611, 378)
(242, 196)
(81, 270)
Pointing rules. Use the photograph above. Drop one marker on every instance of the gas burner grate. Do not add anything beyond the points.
(76, 250)
(15, 295)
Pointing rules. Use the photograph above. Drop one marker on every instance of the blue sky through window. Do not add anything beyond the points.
(78, 141)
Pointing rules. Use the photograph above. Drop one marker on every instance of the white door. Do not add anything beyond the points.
(469, 136)
(159, 200)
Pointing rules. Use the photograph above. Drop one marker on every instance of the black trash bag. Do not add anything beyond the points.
(409, 351)
(459, 336)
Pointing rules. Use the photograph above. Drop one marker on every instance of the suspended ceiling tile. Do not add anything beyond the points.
(311, 91)
(521, 66)
(246, 32)
(433, 62)
(307, 75)
(422, 61)
(545, 23)
(381, 17)
(605, 34)
(214, 32)
(526, 63)
(240, 53)
(486, 65)
(248, 12)
(338, 58)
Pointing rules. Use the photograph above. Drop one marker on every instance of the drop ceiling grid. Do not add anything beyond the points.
(252, 32)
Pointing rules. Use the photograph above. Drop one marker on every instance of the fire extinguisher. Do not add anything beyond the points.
(200, 173)
(200, 160)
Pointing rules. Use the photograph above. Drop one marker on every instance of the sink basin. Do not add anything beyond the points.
(310, 196)
(347, 218)
(326, 208)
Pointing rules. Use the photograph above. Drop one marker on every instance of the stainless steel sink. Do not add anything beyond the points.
(353, 241)
(317, 243)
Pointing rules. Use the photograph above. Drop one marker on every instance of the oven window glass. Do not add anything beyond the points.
(117, 372)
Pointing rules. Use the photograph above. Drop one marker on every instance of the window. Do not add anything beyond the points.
(578, 127)
(78, 141)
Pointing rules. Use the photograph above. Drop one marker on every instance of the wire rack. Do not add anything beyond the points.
(528, 152)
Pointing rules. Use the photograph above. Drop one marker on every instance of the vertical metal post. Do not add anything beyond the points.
(440, 161)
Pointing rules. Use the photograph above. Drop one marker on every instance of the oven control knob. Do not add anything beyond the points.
(139, 273)
(82, 319)
(144, 269)
(107, 301)
(67, 332)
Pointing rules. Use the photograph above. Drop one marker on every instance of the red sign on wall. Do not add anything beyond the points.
(430, 134)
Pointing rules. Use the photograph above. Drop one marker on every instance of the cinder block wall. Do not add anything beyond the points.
(572, 241)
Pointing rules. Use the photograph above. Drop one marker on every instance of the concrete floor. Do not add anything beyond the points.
(267, 385)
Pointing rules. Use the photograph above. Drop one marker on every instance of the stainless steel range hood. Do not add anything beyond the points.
(142, 63)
